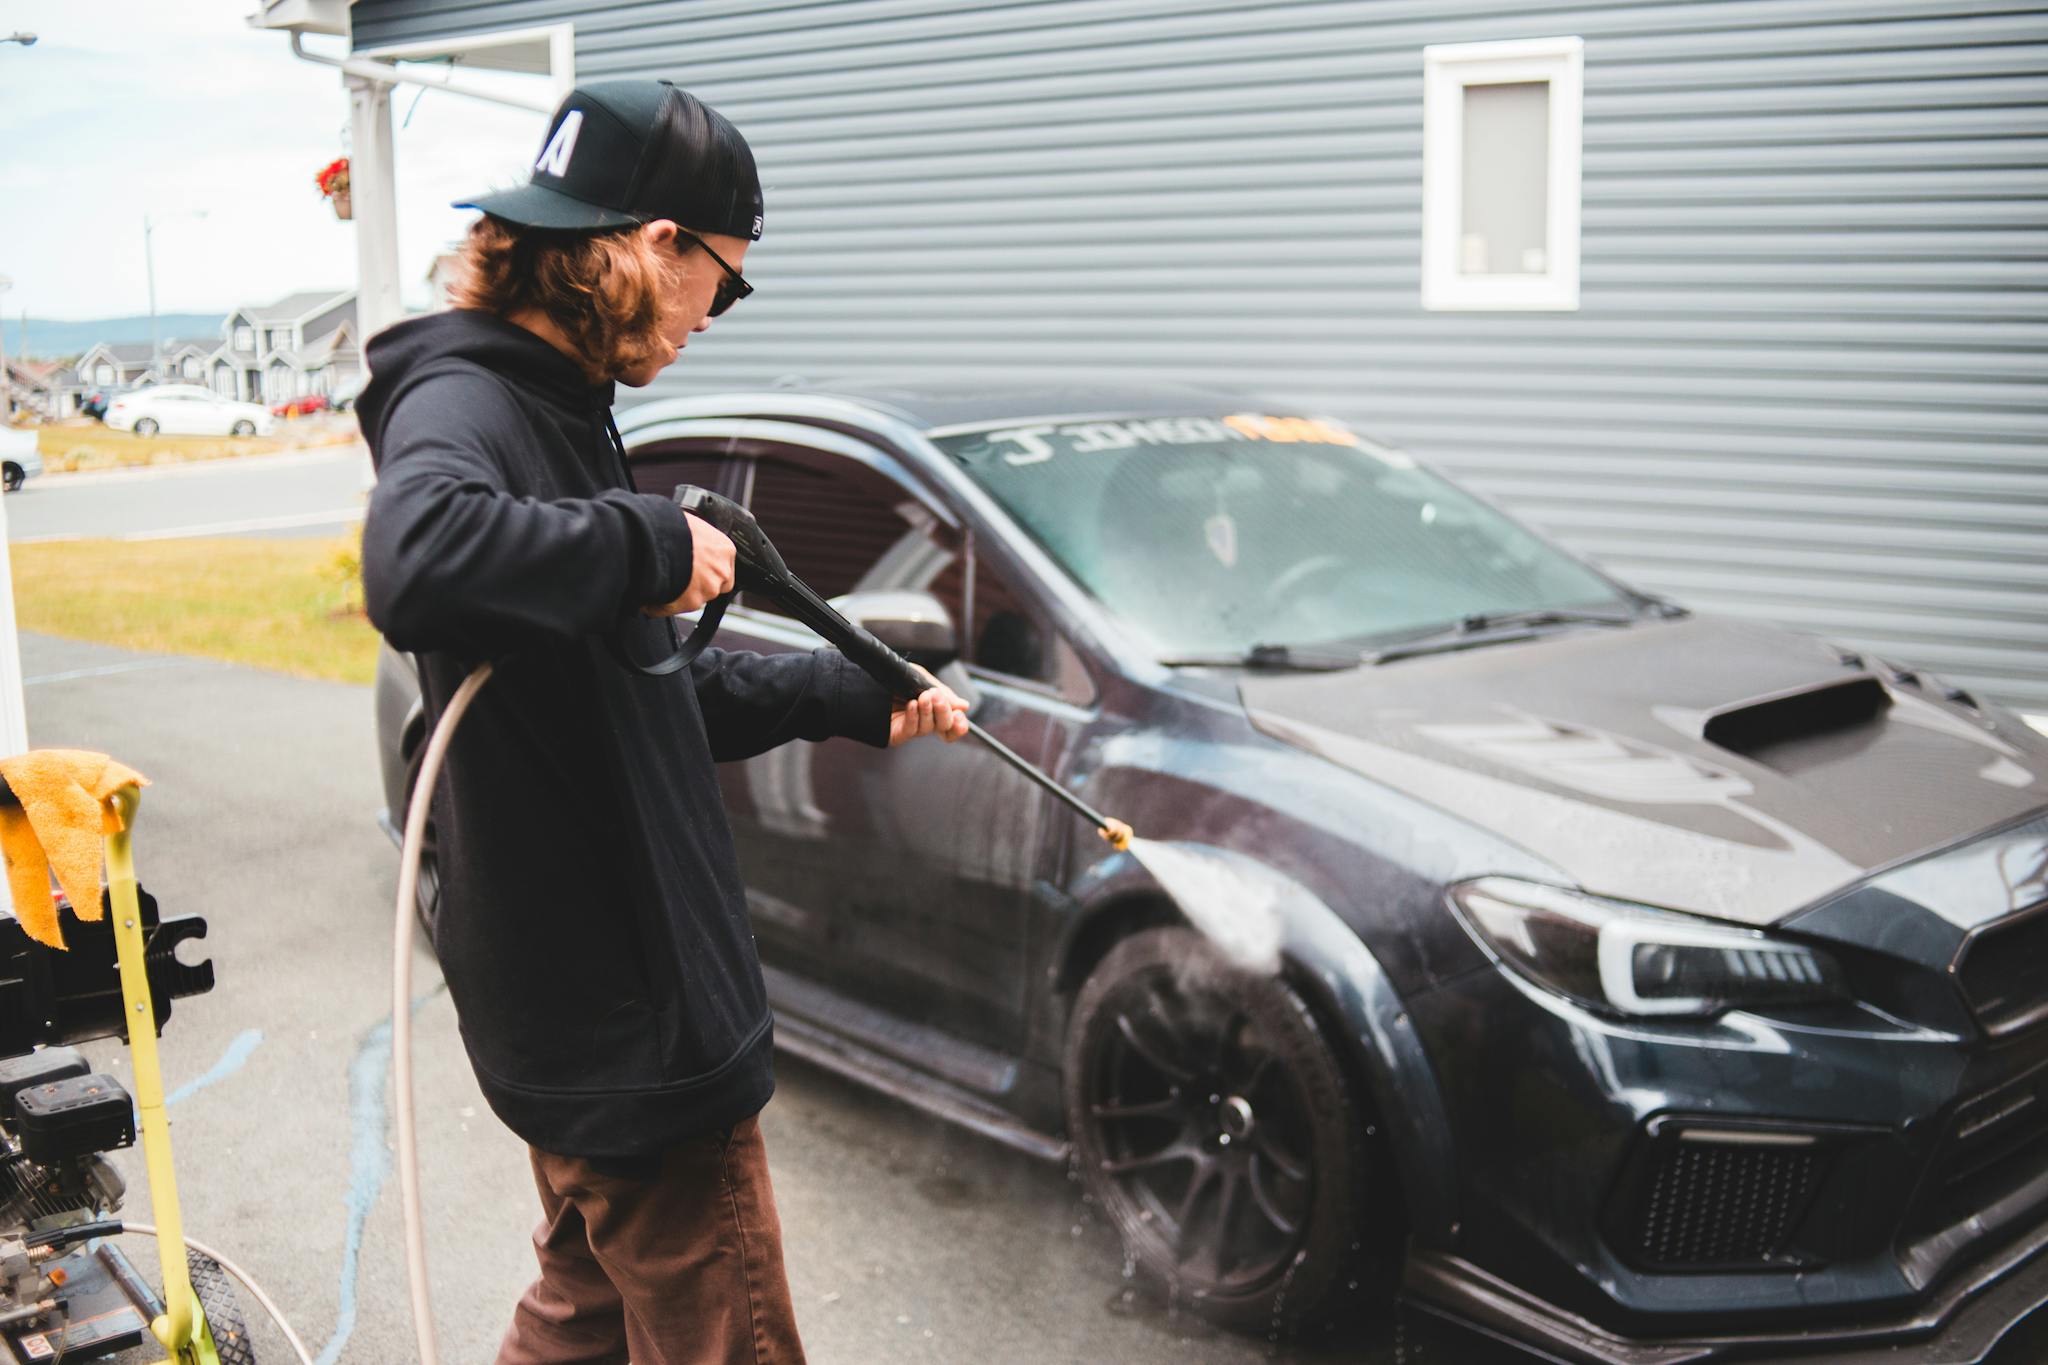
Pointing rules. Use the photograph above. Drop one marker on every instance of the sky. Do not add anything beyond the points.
(171, 107)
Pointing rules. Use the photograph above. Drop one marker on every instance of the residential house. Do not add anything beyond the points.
(115, 365)
(302, 343)
(184, 361)
(48, 388)
(1736, 298)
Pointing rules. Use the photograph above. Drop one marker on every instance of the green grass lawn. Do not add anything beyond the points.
(290, 605)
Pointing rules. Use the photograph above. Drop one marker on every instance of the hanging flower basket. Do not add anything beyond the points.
(333, 183)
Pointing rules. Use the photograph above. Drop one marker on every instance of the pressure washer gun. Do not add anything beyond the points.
(758, 568)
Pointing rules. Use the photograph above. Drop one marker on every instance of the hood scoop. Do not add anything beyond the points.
(1795, 729)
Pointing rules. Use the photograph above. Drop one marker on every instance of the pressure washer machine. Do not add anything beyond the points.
(67, 1291)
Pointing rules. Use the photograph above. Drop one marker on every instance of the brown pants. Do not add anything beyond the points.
(674, 1261)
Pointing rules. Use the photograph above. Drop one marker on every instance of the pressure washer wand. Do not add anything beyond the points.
(760, 569)
(1115, 831)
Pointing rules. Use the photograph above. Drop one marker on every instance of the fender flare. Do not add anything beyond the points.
(1359, 1001)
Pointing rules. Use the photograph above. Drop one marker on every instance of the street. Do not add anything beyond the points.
(313, 492)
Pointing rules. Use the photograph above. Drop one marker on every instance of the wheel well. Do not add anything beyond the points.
(1134, 913)
(1365, 1080)
(1108, 927)
(1129, 914)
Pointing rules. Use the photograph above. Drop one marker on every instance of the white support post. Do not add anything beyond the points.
(372, 182)
(13, 711)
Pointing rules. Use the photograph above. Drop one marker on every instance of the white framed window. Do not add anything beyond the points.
(1500, 174)
(245, 338)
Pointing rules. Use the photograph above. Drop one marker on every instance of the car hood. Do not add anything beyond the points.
(1713, 766)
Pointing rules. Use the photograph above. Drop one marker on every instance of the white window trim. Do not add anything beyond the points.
(1446, 70)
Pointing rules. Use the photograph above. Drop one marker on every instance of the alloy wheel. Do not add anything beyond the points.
(1204, 1129)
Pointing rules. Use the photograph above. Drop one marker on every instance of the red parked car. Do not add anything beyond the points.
(300, 406)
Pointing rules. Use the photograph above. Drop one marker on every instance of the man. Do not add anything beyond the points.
(592, 928)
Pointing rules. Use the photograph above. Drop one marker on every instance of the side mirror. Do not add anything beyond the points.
(915, 625)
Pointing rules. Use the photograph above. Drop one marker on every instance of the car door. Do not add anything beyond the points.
(167, 412)
(206, 416)
(900, 878)
(198, 414)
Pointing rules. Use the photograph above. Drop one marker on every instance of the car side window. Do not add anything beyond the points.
(843, 527)
(660, 466)
(1011, 637)
(839, 525)
(1005, 636)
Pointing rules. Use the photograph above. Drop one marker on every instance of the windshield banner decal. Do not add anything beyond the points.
(1036, 444)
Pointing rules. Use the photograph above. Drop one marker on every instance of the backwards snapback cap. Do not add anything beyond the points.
(631, 151)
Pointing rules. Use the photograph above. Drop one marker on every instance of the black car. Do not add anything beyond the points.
(1633, 984)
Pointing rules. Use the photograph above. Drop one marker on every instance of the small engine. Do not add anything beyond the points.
(66, 1291)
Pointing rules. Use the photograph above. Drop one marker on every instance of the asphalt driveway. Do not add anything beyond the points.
(907, 1241)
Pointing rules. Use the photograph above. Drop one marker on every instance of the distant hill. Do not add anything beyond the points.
(49, 338)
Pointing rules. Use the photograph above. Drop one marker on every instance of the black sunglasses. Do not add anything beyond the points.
(732, 288)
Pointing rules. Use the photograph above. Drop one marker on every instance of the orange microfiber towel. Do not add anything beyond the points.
(61, 816)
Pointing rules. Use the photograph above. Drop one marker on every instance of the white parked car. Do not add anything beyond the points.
(187, 410)
(20, 460)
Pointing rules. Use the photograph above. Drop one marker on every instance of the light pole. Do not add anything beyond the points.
(149, 268)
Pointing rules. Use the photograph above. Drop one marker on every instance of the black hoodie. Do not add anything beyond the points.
(592, 927)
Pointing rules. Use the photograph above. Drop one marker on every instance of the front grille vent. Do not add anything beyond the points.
(1712, 1203)
(2004, 973)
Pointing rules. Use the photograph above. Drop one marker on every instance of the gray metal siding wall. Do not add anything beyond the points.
(1806, 379)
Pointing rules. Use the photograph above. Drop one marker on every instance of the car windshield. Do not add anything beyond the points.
(1214, 535)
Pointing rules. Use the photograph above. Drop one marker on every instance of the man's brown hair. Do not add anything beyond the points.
(608, 291)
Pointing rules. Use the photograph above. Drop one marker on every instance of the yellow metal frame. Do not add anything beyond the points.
(181, 1329)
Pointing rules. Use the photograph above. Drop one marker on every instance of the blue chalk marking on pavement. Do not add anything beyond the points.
(369, 1162)
(230, 1062)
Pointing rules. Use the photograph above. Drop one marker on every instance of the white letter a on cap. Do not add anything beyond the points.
(554, 158)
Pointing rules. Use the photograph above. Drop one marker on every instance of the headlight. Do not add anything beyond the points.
(1623, 958)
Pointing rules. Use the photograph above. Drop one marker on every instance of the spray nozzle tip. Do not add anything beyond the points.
(1117, 833)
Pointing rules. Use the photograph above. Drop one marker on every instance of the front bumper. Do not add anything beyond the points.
(1633, 1193)
(1958, 1325)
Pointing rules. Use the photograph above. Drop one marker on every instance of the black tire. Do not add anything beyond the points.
(1212, 1121)
(427, 896)
(245, 427)
(223, 1309)
(145, 426)
(12, 477)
